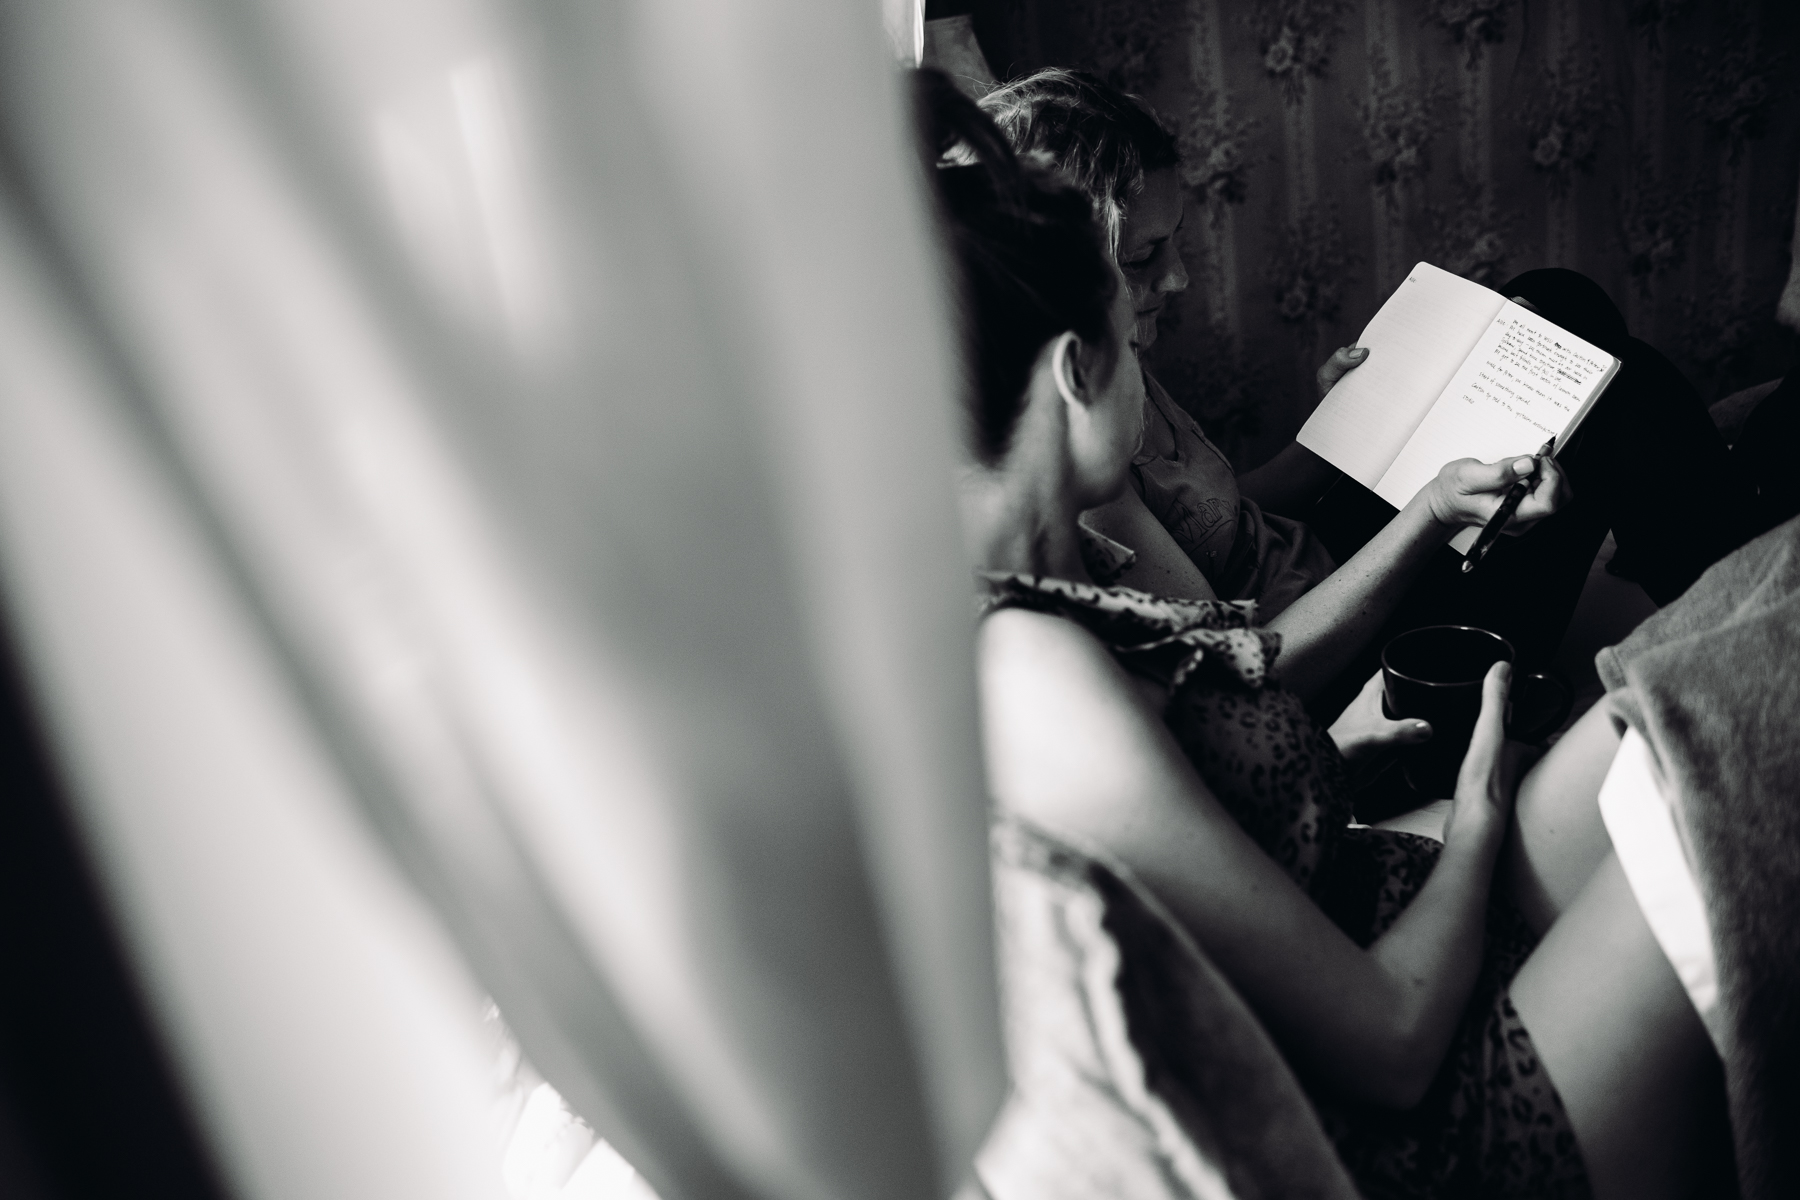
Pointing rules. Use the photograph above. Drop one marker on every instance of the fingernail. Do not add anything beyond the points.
(1422, 726)
(1358, 350)
(1523, 466)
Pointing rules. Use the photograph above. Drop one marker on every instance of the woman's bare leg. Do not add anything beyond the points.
(1623, 1045)
(1557, 839)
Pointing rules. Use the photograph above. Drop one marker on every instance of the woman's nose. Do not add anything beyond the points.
(1174, 276)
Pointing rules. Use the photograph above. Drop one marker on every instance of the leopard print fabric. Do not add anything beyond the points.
(1374, 875)
(1278, 775)
(1275, 771)
(1492, 1124)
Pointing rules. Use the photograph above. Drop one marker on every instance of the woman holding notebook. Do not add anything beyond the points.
(1408, 1003)
(1200, 530)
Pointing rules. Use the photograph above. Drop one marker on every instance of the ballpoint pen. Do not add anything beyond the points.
(1515, 495)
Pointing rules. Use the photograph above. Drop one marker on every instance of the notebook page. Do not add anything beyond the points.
(1526, 381)
(1416, 343)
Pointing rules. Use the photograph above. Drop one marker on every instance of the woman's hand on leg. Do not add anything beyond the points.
(1071, 746)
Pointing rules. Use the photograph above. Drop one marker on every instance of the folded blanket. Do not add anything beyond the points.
(1712, 682)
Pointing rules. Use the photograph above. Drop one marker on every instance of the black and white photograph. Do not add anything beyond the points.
(900, 599)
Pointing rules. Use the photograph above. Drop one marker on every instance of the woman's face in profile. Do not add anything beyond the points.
(1148, 254)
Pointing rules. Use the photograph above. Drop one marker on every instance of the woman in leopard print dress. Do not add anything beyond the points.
(1159, 730)
(1490, 1123)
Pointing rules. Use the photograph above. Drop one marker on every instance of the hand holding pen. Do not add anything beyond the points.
(1515, 495)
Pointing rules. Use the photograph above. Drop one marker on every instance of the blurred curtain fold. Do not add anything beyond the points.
(475, 504)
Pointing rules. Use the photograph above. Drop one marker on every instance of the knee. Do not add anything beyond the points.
(1573, 301)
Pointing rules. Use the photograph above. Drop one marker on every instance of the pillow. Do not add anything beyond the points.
(1137, 1072)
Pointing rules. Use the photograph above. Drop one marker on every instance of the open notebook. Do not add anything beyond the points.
(1455, 370)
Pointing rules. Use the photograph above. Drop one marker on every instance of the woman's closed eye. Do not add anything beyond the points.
(1148, 254)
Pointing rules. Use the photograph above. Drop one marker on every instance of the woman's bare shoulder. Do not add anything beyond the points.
(1025, 634)
(1052, 665)
(1068, 731)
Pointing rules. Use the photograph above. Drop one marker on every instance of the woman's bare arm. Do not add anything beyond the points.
(1288, 483)
(1324, 629)
(1072, 747)
(1162, 567)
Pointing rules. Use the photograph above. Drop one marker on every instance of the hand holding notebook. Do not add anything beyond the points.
(1455, 370)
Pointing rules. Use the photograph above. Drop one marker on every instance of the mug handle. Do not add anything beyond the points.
(1524, 728)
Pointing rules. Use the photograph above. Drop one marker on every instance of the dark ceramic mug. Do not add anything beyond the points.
(1435, 673)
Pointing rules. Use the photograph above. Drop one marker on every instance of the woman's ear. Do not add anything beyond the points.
(1065, 368)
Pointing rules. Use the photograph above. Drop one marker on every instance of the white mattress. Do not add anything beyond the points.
(1635, 805)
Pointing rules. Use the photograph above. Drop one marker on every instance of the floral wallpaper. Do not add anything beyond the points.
(1330, 144)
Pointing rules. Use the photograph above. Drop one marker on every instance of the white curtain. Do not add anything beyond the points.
(475, 501)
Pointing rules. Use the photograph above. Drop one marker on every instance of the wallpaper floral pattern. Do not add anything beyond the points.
(1397, 128)
(1330, 144)
(1295, 39)
(1565, 117)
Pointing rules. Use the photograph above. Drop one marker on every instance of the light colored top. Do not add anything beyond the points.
(1641, 821)
(1191, 488)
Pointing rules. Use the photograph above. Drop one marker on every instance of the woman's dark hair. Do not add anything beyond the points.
(1101, 139)
(1026, 256)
